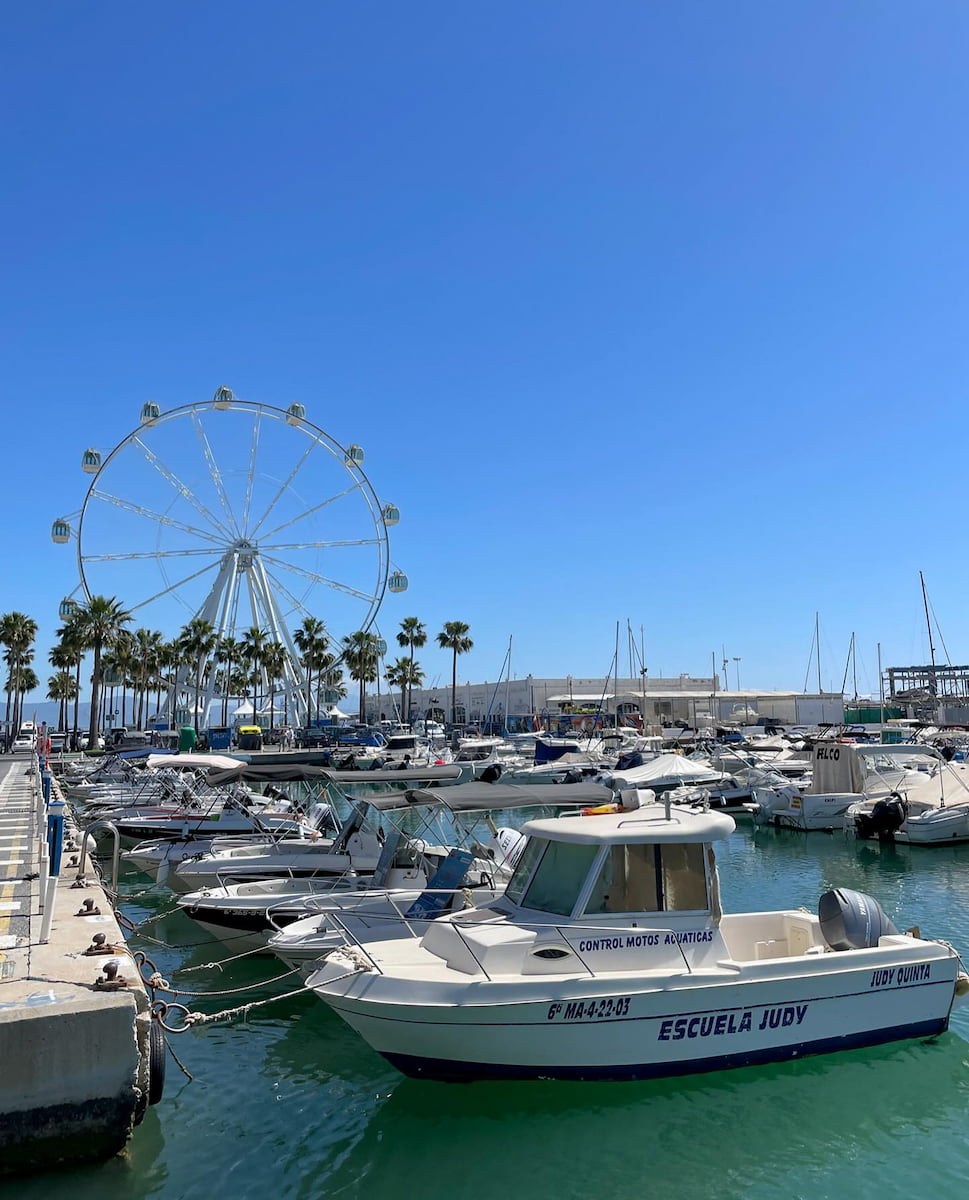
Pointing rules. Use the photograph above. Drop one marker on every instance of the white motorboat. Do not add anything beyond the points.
(355, 848)
(249, 914)
(844, 775)
(927, 808)
(608, 957)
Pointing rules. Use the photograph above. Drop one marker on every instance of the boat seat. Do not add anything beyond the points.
(771, 948)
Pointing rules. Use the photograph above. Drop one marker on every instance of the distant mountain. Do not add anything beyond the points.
(47, 710)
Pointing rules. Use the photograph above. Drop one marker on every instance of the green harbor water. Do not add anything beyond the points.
(289, 1104)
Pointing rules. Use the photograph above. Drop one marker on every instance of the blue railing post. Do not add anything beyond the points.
(45, 780)
(55, 834)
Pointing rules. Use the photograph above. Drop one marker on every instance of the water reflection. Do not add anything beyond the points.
(754, 1132)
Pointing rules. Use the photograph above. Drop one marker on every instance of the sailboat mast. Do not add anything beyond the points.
(507, 687)
(928, 623)
(817, 639)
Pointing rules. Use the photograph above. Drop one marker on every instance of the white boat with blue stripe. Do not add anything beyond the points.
(608, 957)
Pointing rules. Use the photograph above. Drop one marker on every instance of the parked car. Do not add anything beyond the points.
(21, 742)
(313, 738)
(82, 742)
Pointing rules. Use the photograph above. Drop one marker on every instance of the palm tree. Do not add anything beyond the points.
(198, 640)
(274, 658)
(18, 672)
(63, 658)
(146, 652)
(171, 657)
(404, 673)
(229, 652)
(122, 662)
(313, 642)
(253, 641)
(24, 679)
(17, 633)
(454, 637)
(100, 621)
(61, 687)
(412, 634)
(360, 656)
(71, 643)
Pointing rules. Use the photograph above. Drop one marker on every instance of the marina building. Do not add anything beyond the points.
(573, 703)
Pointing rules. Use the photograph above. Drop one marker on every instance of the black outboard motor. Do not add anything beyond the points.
(851, 920)
(626, 762)
(491, 773)
(884, 820)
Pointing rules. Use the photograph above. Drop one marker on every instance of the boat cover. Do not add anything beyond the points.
(479, 797)
(272, 772)
(669, 767)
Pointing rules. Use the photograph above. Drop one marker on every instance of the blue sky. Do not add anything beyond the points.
(646, 312)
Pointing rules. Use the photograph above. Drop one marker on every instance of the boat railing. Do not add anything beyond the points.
(353, 940)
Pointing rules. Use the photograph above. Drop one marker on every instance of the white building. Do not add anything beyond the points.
(524, 704)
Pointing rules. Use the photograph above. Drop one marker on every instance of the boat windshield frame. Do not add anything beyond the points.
(534, 865)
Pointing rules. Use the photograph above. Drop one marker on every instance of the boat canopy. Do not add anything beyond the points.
(192, 762)
(647, 824)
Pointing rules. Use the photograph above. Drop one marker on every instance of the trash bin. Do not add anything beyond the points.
(250, 737)
(186, 739)
(220, 737)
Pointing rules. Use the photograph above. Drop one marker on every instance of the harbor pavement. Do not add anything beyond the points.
(75, 1048)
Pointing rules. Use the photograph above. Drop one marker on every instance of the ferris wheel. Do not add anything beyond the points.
(242, 514)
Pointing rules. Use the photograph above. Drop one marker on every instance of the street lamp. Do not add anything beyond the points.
(736, 659)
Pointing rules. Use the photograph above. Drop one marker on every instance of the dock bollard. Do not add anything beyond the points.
(48, 909)
(55, 834)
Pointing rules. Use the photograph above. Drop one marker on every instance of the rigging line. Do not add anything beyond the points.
(158, 595)
(612, 667)
(501, 673)
(285, 486)
(938, 629)
(316, 507)
(844, 678)
(151, 554)
(140, 511)
(331, 583)
(214, 471)
(807, 673)
(254, 446)
(186, 493)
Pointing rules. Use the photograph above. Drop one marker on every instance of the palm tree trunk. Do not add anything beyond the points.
(77, 699)
(454, 689)
(92, 733)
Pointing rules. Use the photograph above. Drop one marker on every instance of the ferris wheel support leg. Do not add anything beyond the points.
(294, 685)
(218, 610)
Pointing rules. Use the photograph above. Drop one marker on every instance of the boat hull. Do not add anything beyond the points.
(609, 1030)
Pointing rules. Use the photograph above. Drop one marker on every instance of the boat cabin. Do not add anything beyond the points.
(599, 892)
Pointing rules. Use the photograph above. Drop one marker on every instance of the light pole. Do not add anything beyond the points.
(737, 661)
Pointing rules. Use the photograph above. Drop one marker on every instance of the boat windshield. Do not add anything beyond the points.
(553, 874)
(647, 877)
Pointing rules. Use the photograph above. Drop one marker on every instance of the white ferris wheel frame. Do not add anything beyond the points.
(234, 549)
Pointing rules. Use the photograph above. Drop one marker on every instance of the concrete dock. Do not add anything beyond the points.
(79, 1062)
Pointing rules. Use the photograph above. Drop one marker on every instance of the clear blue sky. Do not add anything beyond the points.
(640, 311)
